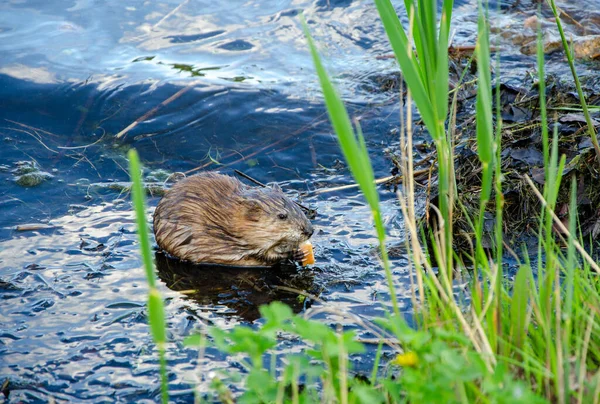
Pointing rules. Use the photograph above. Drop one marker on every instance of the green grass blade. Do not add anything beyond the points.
(356, 155)
(485, 130)
(425, 26)
(447, 10)
(408, 64)
(485, 127)
(519, 307)
(542, 92)
(139, 202)
(358, 162)
(441, 78)
(156, 315)
(571, 258)
(586, 112)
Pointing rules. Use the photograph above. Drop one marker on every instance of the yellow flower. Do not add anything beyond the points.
(406, 359)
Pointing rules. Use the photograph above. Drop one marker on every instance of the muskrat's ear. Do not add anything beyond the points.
(253, 210)
(276, 187)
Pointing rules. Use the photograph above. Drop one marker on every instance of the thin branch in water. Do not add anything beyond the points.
(33, 136)
(154, 110)
(246, 176)
(260, 184)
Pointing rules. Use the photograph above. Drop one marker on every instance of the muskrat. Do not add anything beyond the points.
(214, 218)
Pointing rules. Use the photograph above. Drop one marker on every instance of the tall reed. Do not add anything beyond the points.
(425, 71)
(355, 151)
(582, 101)
(156, 315)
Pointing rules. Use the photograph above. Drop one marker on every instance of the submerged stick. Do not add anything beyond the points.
(351, 186)
(153, 111)
(376, 182)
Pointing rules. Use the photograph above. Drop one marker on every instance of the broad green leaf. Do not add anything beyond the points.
(275, 315)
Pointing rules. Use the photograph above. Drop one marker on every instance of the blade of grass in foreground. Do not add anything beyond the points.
(356, 155)
(156, 315)
(485, 129)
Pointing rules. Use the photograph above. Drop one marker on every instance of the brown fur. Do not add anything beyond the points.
(214, 218)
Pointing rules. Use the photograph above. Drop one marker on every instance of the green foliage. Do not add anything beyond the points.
(425, 72)
(139, 204)
(444, 369)
(485, 123)
(322, 361)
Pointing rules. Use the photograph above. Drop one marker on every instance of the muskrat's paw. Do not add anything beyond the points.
(304, 254)
(298, 255)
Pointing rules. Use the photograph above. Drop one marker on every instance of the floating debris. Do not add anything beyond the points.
(34, 226)
(33, 179)
(28, 174)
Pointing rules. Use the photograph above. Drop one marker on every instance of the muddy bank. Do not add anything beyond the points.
(521, 155)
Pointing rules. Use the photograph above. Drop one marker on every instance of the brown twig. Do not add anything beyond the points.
(260, 184)
(452, 49)
(298, 292)
(350, 186)
(558, 223)
(246, 176)
(153, 110)
(376, 182)
(261, 149)
(34, 226)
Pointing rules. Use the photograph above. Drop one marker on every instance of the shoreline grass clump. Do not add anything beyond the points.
(425, 71)
(528, 337)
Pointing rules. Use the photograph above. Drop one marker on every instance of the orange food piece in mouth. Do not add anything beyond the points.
(308, 257)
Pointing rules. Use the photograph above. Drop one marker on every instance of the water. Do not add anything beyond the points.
(210, 88)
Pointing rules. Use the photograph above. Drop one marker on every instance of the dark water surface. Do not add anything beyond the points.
(212, 85)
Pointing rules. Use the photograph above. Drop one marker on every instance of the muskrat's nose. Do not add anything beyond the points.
(308, 230)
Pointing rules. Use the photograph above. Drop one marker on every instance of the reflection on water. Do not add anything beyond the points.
(241, 291)
(192, 86)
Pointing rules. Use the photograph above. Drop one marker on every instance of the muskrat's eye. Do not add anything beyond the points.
(282, 216)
